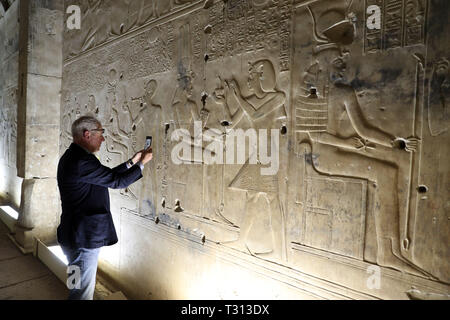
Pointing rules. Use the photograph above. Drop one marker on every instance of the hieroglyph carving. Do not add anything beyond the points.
(240, 26)
(394, 23)
(100, 24)
(439, 109)
(8, 127)
(149, 52)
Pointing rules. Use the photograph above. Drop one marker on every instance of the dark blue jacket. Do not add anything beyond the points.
(83, 182)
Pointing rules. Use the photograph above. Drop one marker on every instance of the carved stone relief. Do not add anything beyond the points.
(10, 184)
(438, 111)
(429, 206)
(352, 108)
(336, 134)
(401, 24)
(8, 127)
(334, 209)
(240, 26)
(126, 16)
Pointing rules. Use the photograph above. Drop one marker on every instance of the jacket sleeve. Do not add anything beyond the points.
(120, 168)
(93, 172)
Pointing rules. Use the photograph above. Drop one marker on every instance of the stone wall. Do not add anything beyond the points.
(30, 83)
(351, 199)
(40, 68)
(10, 184)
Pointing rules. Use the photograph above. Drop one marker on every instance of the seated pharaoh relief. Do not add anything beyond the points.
(349, 145)
(329, 118)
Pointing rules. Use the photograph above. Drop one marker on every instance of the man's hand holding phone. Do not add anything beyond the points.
(147, 153)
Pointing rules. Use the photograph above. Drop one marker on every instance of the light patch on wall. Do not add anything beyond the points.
(57, 251)
(10, 211)
(231, 284)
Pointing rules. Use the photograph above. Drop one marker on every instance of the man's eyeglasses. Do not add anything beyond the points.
(99, 130)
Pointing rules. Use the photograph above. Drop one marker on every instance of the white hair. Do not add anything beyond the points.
(82, 124)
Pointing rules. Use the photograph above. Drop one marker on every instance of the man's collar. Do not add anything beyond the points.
(80, 146)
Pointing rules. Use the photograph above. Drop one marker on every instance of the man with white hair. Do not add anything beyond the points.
(86, 221)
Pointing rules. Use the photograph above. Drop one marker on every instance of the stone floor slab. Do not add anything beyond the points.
(7, 249)
(20, 269)
(24, 277)
(45, 288)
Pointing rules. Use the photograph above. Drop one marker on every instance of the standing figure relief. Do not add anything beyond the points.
(115, 140)
(148, 113)
(132, 119)
(186, 115)
(264, 99)
(261, 226)
(184, 108)
(439, 110)
(189, 125)
(147, 122)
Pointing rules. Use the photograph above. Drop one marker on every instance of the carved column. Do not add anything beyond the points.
(40, 66)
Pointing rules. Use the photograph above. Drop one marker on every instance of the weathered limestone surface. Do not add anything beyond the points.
(9, 71)
(31, 67)
(41, 62)
(356, 205)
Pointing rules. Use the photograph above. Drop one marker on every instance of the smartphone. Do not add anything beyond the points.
(148, 142)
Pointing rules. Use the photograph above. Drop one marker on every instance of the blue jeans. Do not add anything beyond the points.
(83, 270)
